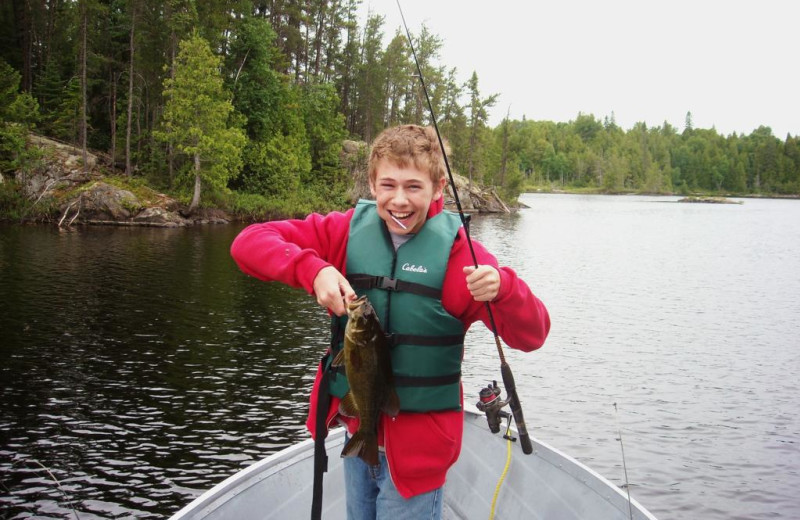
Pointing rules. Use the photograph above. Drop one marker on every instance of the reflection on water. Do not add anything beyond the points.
(140, 367)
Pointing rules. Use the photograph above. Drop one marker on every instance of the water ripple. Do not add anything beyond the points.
(142, 367)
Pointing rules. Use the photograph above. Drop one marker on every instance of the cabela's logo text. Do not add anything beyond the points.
(414, 268)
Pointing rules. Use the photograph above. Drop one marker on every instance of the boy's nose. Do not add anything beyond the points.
(400, 196)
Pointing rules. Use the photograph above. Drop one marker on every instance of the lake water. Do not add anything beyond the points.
(140, 367)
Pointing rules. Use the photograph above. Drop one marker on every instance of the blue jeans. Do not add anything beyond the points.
(371, 494)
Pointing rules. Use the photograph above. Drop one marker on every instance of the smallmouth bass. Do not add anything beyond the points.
(368, 364)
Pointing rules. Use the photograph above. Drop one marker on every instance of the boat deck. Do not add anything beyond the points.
(546, 484)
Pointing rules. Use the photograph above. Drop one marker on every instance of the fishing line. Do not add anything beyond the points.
(505, 469)
(505, 369)
(624, 466)
(58, 484)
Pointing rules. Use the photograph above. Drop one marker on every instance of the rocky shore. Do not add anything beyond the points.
(89, 196)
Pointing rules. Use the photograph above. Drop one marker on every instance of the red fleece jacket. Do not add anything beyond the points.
(420, 447)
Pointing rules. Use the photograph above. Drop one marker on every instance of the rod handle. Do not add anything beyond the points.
(516, 408)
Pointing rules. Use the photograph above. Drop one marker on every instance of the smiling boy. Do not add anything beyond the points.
(412, 260)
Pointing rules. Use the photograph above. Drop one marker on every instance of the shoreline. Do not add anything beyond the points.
(590, 191)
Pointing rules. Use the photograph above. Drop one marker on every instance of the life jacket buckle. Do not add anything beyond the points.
(389, 284)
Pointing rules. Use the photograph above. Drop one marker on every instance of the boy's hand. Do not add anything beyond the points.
(483, 282)
(333, 290)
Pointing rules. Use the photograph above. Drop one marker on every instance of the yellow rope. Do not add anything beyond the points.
(503, 476)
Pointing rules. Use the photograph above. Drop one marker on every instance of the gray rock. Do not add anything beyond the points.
(61, 167)
(160, 217)
(102, 201)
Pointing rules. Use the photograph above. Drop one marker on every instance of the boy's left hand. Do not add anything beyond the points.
(483, 282)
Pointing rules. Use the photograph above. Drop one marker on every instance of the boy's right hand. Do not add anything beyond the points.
(333, 290)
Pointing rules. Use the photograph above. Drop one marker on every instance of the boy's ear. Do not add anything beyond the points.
(372, 187)
(438, 188)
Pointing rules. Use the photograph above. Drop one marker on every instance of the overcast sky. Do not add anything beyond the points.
(734, 65)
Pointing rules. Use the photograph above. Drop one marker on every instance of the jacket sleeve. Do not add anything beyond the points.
(522, 319)
(293, 251)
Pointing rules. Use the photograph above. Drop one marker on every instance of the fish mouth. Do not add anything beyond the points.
(359, 308)
(361, 300)
(357, 305)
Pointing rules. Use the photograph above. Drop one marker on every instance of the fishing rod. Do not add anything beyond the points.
(505, 369)
(624, 465)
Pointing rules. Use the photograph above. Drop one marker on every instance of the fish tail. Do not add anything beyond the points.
(364, 445)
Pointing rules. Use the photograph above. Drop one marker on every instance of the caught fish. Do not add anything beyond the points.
(368, 365)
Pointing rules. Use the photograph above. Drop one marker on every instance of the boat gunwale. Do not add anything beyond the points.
(252, 475)
(240, 481)
(588, 477)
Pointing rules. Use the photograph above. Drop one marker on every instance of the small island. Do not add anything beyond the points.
(710, 200)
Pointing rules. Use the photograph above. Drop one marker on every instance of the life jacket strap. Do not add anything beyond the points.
(320, 456)
(407, 339)
(321, 429)
(425, 341)
(366, 281)
(427, 381)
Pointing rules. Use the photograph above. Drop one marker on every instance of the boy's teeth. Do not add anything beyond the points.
(398, 221)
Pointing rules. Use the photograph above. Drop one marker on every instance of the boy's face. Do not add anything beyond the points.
(404, 195)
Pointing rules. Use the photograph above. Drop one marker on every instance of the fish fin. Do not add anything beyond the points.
(391, 406)
(338, 360)
(347, 406)
(364, 445)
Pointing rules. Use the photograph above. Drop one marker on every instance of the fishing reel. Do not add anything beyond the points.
(491, 404)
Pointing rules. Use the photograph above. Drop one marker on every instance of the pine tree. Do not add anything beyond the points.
(196, 117)
(478, 116)
(18, 113)
(277, 152)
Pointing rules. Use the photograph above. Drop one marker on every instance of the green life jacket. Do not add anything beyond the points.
(405, 288)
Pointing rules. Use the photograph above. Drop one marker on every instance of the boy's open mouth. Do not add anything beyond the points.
(400, 217)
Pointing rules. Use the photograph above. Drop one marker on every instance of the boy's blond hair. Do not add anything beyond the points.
(409, 145)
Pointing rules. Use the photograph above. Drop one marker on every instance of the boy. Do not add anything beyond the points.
(413, 261)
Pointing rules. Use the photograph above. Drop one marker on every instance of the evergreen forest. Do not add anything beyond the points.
(246, 104)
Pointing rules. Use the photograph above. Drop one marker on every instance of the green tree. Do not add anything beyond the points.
(478, 116)
(791, 150)
(504, 163)
(452, 120)
(764, 151)
(347, 65)
(395, 62)
(371, 81)
(280, 165)
(325, 131)
(587, 127)
(427, 46)
(64, 123)
(259, 91)
(18, 114)
(196, 118)
(277, 155)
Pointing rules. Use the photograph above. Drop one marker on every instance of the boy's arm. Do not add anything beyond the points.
(293, 251)
(522, 319)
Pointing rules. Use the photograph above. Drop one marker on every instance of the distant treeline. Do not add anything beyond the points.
(593, 154)
(249, 101)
